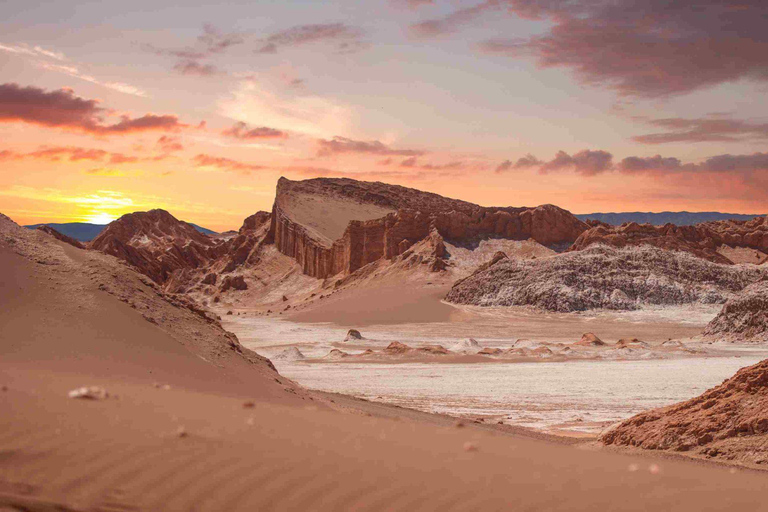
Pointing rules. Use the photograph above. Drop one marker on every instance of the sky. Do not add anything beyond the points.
(109, 107)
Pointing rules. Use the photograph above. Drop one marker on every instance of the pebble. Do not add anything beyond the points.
(469, 446)
(89, 393)
(181, 432)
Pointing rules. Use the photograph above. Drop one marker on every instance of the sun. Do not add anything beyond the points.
(99, 218)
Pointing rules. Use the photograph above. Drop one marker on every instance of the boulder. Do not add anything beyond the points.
(352, 335)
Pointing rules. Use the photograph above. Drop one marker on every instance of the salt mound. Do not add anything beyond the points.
(336, 354)
(631, 342)
(673, 344)
(590, 340)
(542, 352)
(522, 343)
(743, 318)
(289, 354)
(468, 345)
(397, 348)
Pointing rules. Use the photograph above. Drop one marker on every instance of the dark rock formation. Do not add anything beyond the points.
(604, 277)
(353, 334)
(743, 318)
(234, 283)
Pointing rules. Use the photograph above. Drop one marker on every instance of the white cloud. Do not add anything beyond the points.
(36, 51)
(293, 111)
(73, 71)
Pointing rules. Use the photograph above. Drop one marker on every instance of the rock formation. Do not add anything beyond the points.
(353, 335)
(743, 318)
(604, 277)
(60, 236)
(703, 240)
(590, 340)
(330, 226)
(728, 422)
(157, 244)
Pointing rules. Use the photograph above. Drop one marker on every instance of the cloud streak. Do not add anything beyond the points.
(242, 131)
(339, 145)
(703, 130)
(454, 21)
(224, 164)
(344, 38)
(64, 110)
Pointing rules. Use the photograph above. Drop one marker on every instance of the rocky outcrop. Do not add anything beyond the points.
(727, 422)
(703, 240)
(243, 249)
(353, 335)
(233, 283)
(61, 237)
(743, 318)
(157, 244)
(331, 226)
(604, 277)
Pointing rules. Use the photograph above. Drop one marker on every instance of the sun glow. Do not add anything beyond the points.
(99, 218)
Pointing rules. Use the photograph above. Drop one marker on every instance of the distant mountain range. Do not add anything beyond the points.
(85, 232)
(661, 218)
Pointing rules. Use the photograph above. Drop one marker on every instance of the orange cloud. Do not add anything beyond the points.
(224, 164)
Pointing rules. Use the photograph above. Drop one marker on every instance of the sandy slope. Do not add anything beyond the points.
(71, 319)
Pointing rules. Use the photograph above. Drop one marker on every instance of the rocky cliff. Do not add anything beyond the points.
(158, 244)
(727, 422)
(61, 237)
(743, 318)
(604, 277)
(331, 226)
(703, 240)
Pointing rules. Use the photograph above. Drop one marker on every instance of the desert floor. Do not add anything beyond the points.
(184, 429)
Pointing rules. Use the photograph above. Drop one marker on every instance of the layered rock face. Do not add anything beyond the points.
(340, 225)
(244, 248)
(157, 244)
(702, 240)
(743, 318)
(604, 277)
(728, 422)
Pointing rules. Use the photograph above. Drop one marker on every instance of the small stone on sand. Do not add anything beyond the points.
(89, 393)
(633, 467)
(469, 446)
(654, 469)
(248, 405)
(181, 432)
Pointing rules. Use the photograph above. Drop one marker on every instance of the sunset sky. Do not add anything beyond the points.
(109, 107)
